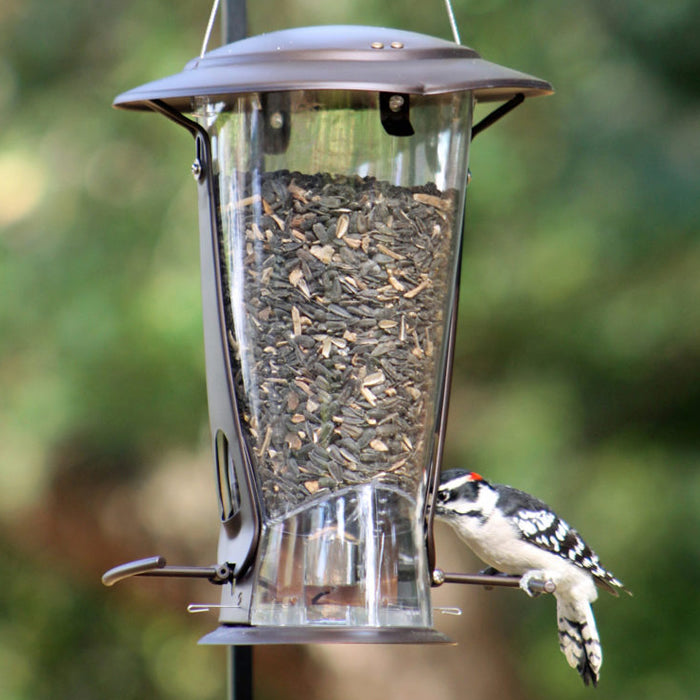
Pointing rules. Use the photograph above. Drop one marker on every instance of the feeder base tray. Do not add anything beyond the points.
(234, 635)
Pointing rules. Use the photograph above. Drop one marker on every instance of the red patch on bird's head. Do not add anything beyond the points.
(473, 476)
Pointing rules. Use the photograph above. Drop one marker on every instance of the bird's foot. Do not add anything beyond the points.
(538, 581)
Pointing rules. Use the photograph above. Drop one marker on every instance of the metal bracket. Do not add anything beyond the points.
(494, 116)
(394, 112)
(157, 566)
(277, 125)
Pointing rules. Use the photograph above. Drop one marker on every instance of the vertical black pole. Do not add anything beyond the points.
(234, 26)
(240, 673)
(234, 20)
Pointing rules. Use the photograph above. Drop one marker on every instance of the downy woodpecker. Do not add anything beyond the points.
(516, 533)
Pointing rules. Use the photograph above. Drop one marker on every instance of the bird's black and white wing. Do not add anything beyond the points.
(540, 525)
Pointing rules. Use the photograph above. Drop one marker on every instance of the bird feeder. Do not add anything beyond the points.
(331, 165)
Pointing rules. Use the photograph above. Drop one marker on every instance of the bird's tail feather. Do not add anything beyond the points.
(579, 640)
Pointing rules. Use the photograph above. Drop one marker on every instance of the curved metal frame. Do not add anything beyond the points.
(243, 526)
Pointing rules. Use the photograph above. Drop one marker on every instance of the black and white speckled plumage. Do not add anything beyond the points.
(516, 533)
(539, 524)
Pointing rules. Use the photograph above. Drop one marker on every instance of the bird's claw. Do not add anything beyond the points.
(536, 582)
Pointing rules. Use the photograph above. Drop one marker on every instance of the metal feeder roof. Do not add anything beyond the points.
(341, 57)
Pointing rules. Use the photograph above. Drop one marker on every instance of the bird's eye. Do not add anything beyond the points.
(443, 496)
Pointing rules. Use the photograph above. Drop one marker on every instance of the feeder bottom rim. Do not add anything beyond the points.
(235, 635)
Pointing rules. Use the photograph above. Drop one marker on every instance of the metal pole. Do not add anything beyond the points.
(240, 672)
(234, 26)
(234, 20)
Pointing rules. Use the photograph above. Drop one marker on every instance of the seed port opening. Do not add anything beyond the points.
(229, 493)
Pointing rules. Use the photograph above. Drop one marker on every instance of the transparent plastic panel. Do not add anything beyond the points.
(353, 558)
(338, 243)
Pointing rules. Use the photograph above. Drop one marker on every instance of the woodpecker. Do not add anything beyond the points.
(517, 534)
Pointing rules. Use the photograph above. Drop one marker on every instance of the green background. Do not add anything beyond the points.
(578, 358)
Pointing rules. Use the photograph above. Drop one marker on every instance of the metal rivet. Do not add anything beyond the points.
(277, 120)
(469, 176)
(377, 45)
(197, 169)
(396, 45)
(438, 577)
(396, 103)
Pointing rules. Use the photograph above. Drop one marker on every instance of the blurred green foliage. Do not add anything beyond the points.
(578, 357)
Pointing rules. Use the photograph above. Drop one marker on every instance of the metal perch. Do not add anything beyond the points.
(536, 586)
